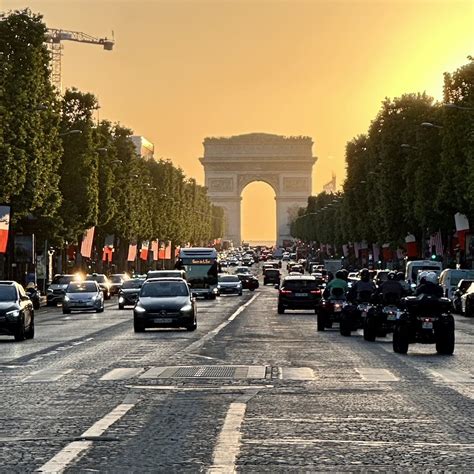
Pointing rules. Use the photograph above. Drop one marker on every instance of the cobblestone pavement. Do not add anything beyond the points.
(249, 391)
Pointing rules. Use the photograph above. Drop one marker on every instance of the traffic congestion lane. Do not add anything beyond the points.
(325, 403)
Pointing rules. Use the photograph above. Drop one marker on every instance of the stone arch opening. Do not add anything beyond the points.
(285, 163)
(258, 211)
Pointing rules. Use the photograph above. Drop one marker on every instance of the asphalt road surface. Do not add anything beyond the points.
(249, 391)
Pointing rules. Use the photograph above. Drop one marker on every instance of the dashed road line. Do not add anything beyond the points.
(122, 373)
(453, 375)
(46, 375)
(371, 374)
(66, 456)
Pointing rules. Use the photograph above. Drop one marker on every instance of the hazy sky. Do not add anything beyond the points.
(184, 70)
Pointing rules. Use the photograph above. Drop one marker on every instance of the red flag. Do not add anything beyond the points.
(4, 227)
(144, 250)
(107, 254)
(412, 247)
(87, 239)
(132, 252)
(155, 248)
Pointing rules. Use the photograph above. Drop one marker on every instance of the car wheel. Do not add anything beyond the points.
(20, 332)
(66, 311)
(137, 327)
(192, 327)
(240, 293)
(400, 341)
(468, 312)
(369, 330)
(30, 334)
(120, 306)
(100, 310)
(36, 304)
(252, 289)
(281, 309)
(445, 342)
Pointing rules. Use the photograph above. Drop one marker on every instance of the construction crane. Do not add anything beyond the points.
(54, 39)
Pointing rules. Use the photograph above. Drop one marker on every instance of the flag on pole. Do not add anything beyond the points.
(168, 250)
(462, 228)
(86, 245)
(436, 242)
(155, 246)
(144, 250)
(412, 248)
(5, 212)
(132, 252)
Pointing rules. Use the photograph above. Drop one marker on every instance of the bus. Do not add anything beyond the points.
(201, 267)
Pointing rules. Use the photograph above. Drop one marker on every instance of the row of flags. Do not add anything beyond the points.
(159, 250)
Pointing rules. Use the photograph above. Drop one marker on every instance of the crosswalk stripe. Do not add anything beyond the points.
(122, 373)
(376, 374)
(46, 375)
(452, 375)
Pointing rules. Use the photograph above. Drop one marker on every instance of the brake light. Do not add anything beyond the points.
(285, 292)
(315, 292)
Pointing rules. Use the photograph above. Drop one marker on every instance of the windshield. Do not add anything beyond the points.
(419, 268)
(164, 274)
(242, 270)
(7, 293)
(228, 278)
(116, 279)
(164, 289)
(456, 277)
(202, 274)
(82, 287)
(97, 278)
(127, 285)
(62, 280)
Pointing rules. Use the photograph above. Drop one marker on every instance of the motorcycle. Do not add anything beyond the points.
(427, 320)
(330, 309)
(34, 295)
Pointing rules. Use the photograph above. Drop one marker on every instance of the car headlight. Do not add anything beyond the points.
(219, 287)
(13, 314)
(121, 300)
(239, 285)
(139, 309)
(66, 298)
(186, 308)
(50, 290)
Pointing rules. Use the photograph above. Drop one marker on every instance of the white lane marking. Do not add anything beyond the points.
(376, 375)
(46, 375)
(296, 373)
(200, 342)
(224, 388)
(453, 376)
(228, 443)
(122, 373)
(60, 461)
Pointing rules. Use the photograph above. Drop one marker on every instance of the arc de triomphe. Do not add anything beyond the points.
(285, 163)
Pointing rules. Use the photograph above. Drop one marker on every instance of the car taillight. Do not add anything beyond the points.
(285, 292)
(315, 292)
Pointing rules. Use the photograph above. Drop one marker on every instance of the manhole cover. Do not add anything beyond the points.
(207, 371)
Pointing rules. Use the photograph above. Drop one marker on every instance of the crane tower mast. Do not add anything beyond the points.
(54, 39)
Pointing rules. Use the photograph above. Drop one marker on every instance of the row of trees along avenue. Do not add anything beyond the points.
(64, 173)
(407, 176)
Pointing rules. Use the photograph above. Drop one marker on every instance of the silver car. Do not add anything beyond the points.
(229, 284)
(83, 296)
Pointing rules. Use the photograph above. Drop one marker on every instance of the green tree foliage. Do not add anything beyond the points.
(30, 147)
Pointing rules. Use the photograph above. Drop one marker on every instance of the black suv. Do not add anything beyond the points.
(17, 317)
(299, 292)
(271, 275)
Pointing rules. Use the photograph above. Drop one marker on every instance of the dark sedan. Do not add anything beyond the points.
(17, 317)
(165, 303)
(298, 292)
(128, 294)
(249, 281)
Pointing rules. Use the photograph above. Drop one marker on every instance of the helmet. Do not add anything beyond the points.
(340, 274)
(400, 276)
(364, 274)
(422, 277)
(391, 275)
(345, 274)
(431, 277)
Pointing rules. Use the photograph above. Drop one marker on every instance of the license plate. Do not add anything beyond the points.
(301, 294)
(163, 320)
(337, 309)
(427, 325)
(391, 317)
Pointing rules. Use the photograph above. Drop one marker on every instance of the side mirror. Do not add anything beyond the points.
(277, 286)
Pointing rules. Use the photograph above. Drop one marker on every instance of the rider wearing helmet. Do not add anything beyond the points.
(339, 282)
(429, 285)
(364, 285)
(391, 290)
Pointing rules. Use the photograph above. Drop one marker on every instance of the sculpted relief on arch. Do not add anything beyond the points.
(271, 179)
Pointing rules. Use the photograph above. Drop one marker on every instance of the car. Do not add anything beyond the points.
(165, 302)
(228, 285)
(271, 275)
(381, 276)
(450, 278)
(166, 274)
(249, 281)
(461, 289)
(467, 302)
(298, 292)
(17, 315)
(297, 268)
(128, 294)
(83, 296)
(103, 281)
(116, 282)
(242, 270)
(55, 291)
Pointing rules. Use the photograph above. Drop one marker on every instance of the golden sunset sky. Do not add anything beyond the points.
(184, 70)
